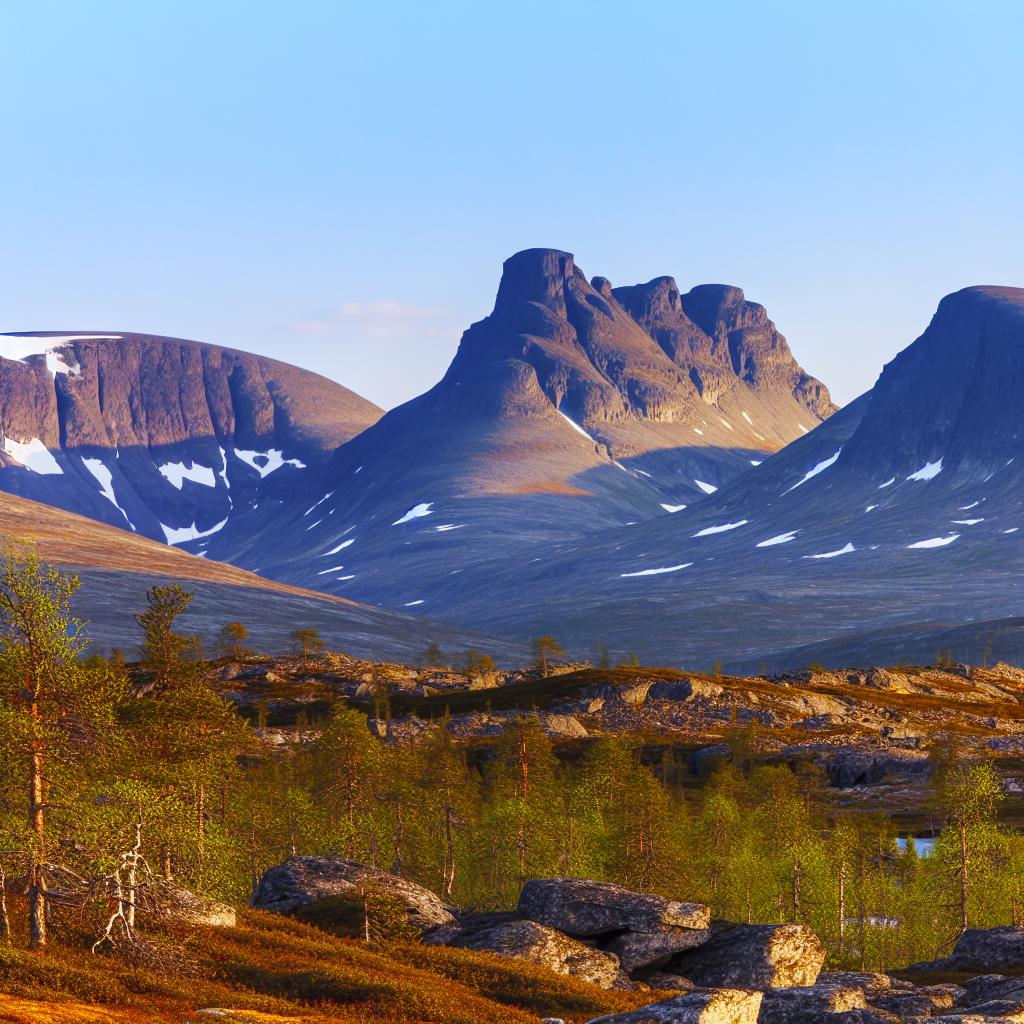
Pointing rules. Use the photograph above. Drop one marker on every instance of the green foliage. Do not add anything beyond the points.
(545, 648)
(307, 642)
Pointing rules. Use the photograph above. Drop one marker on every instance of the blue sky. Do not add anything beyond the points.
(337, 184)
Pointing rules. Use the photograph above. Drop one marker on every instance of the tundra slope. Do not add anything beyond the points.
(573, 406)
(175, 440)
(116, 568)
(900, 517)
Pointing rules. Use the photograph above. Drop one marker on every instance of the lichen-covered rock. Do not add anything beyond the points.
(527, 940)
(758, 956)
(581, 907)
(639, 951)
(808, 1004)
(302, 881)
(188, 908)
(721, 1006)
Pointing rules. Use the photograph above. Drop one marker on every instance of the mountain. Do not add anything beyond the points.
(897, 524)
(116, 568)
(172, 439)
(574, 406)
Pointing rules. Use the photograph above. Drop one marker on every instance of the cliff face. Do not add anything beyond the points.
(150, 433)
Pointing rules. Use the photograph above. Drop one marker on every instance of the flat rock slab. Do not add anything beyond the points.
(721, 1006)
(760, 956)
(527, 940)
(302, 881)
(586, 908)
(638, 951)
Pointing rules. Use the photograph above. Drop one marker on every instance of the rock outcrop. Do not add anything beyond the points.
(303, 881)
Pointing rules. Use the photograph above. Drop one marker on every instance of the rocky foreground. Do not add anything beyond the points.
(698, 971)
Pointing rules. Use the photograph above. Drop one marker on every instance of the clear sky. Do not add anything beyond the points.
(336, 184)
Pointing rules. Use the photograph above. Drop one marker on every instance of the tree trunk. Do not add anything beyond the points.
(5, 920)
(37, 822)
(449, 847)
(842, 907)
(964, 868)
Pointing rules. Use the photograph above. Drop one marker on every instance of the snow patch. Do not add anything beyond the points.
(57, 363)
(333, 568)
(870, 508)
(575, 426)
(748, 419)
(967, 508)
(848, 549)
(313, 526)
(697, 430)
(967, 522)
(267, 462)
(672, 508)
(811, 473)
(181, 534)
(888, 483)
(656, 572)
(412, 604)
(755, 462)
(445, 527)
(782, 538)
(341, 547)
(177, 473)
(105, 479)
(802, 427)
(935, 542)
(314, 505)
(709, 530)
(1012, 529)
(706, 488)
(416, 512)
(928, 471)
(33, 455)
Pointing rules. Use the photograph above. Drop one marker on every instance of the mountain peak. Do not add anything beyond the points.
(536, 275)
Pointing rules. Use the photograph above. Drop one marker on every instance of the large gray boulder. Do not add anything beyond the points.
(988, 949)
(527, 940)
(586, 908)
(722, 1006)
(760, 956)
(303, 881)
(809, 1004)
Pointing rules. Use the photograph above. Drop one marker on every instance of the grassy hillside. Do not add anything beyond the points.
(272, 969)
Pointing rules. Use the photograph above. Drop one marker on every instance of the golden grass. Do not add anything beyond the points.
(63, 538)
(271, 970)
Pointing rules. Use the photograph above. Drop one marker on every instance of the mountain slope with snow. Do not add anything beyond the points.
(903, 510)
(175, 440)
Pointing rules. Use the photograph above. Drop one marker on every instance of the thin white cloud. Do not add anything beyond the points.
(383, 319)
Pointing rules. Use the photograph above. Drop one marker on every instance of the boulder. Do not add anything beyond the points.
(188, 908)
(565, 726)
(871, 983)
(302, 881)
(578, 906)
(809, 1004)
(758, 956)
(919, 1002)
(659, 980)
(985, 987)
(638, 951)
(982, 949)
(527, 940)
(721, 1006)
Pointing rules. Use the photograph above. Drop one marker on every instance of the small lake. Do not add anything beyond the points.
(925, 845)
